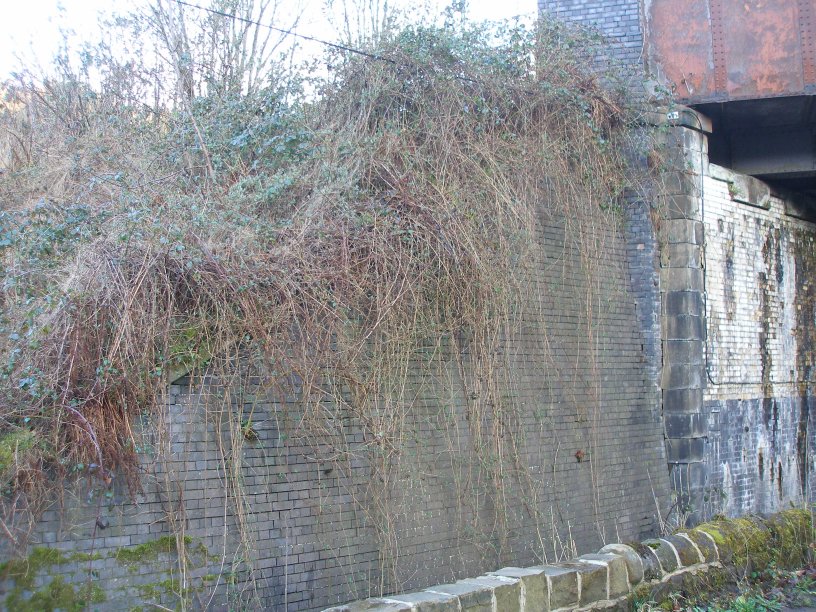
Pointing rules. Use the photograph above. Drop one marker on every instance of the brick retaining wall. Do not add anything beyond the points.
(619, 575)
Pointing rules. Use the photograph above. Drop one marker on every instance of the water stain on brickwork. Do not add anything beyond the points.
(779, 481)
(801, 444)
(805, 267)
(780, 268)
(729, 284)
(772, 253)
(772, 270)
(766, 358)
(768, 409)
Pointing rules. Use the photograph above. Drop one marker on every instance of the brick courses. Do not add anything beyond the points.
(618, 20)
(316, 547)
(760, 311)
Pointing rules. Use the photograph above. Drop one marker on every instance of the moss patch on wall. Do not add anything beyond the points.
(155, 590)
(56, 595)
(23, 571)
(66, 593)
(149, 551)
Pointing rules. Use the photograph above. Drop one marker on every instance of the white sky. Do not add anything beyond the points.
(30, 29)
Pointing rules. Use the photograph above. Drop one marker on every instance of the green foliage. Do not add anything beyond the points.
(753, 546)
(155, 590)
(753, 603)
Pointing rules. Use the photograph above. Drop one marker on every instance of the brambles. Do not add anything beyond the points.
(337, 239)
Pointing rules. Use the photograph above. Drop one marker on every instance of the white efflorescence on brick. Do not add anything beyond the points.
(758, 263)
(750, 282)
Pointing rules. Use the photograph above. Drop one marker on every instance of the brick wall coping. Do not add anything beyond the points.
(618, 574)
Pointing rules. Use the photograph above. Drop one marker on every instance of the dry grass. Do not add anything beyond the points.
(394, 212)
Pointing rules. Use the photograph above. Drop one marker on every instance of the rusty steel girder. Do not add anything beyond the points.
(722, 50)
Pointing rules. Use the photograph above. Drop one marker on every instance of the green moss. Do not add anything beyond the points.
(149, 551)
(746, 543)
(698, 585)
(23, 571)
(200, 550)
(12, 445)
(792, 533)
(134, 556)
(77, 557)
(188, 350)
(716, 578)
(57, 595)
(756, 545)
(92, 593)
(750, 544)
(154, 590)
(715, 533)
(749, 547)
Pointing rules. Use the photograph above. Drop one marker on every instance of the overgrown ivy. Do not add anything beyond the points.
(333, 236)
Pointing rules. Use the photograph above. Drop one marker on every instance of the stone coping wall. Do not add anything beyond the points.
(619, 575)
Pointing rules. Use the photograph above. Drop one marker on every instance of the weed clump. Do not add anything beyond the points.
(323, 240)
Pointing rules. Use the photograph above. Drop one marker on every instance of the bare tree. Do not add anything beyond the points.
(227, 49)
